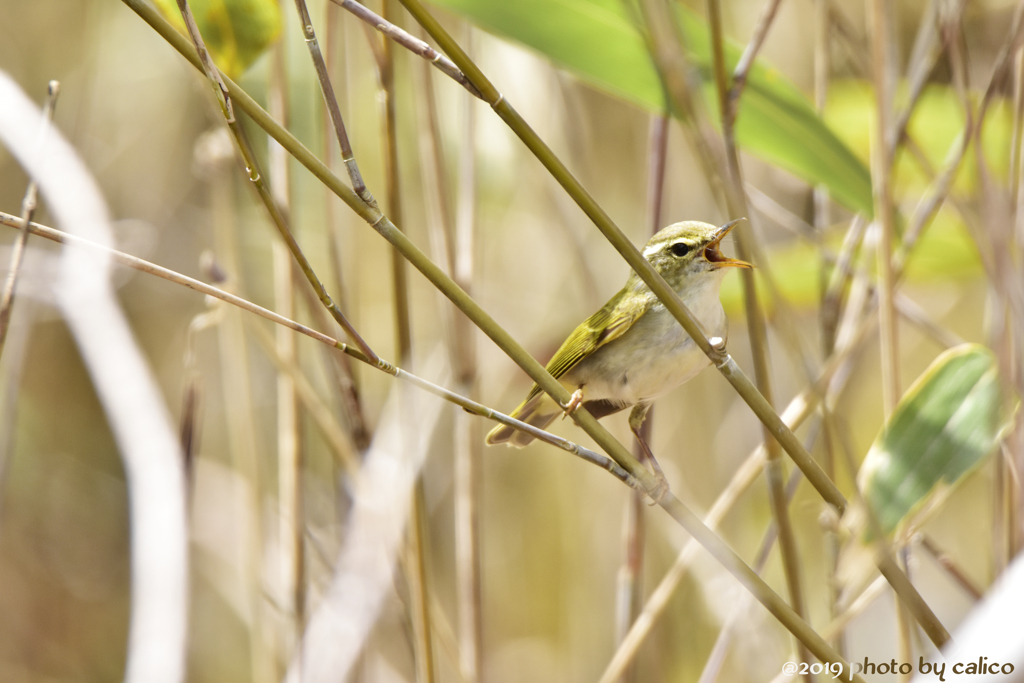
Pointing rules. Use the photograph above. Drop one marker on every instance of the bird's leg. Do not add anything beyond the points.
(574, 402)
(636, 420)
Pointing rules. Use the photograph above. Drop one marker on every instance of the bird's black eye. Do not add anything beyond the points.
(680, 248)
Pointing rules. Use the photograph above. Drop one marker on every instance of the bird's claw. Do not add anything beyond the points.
(574, 403)
(661, 489)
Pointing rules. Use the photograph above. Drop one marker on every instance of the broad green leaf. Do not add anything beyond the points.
(598, 41)
(236, 32)
(936, 124)
(945, 424)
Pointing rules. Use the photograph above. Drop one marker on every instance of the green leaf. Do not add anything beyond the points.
(598, 41)
(945, 424)
(935, 126)
(236, 32)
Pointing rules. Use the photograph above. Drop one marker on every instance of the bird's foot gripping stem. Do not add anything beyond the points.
(575, 401)
(661, 488)
(636, 421)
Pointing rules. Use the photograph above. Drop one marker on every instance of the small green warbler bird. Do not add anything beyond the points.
(633, 350)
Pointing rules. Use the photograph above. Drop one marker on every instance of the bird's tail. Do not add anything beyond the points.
(539, 410)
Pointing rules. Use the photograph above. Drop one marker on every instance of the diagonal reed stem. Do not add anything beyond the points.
(409, 42)
(347, 157)
(719, 357)
(881, 179)
(224, 96)
(729, 100)
(347, 455)
(511, 348)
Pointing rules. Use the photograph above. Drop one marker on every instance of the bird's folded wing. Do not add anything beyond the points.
(607, 325)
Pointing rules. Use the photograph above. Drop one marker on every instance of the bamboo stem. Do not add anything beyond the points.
(729, 99)
(415, 563)
(384, 227)
(409, 42)
(629, 584)
(602, 461)
(881, 176)
(347, 156)
(718, 355)
(290, 488)
(469, 446)
(224, 96)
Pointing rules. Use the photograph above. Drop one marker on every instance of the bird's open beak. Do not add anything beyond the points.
(715, 257)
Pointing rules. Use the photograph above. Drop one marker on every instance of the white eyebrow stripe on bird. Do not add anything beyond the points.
(653, 249)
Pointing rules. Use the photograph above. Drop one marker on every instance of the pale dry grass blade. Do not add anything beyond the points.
(28, 209)
(339, 627)
(138, 417)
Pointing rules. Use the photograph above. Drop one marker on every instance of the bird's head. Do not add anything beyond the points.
(690, 249)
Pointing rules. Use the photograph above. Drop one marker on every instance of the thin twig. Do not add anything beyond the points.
(831, 303)
(839, 622)
(718, 355)
(629, 584)
(340, 444)
(829, 309)
(440, 222)
(664, 44)
(822, 205)
(347, 156)
(657, 161)
(414, 567)
(409, 42)
(917, 316)
(729, 100)
(351, 401)
(881, 177)
(291, 491)
(244, 450)
(469, 441)
(951, 567)
(783, 217)
(798, 410)
(922, 60)
(716, 659)
(226, 102)
(602, 461)
(28, 210)
(742, 70)
(515, 351)
(393, 189)
(415, 561)
(341, 365)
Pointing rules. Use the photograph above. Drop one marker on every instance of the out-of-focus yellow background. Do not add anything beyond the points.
(551, 525)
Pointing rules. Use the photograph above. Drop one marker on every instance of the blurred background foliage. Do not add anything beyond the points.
(551, 526)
